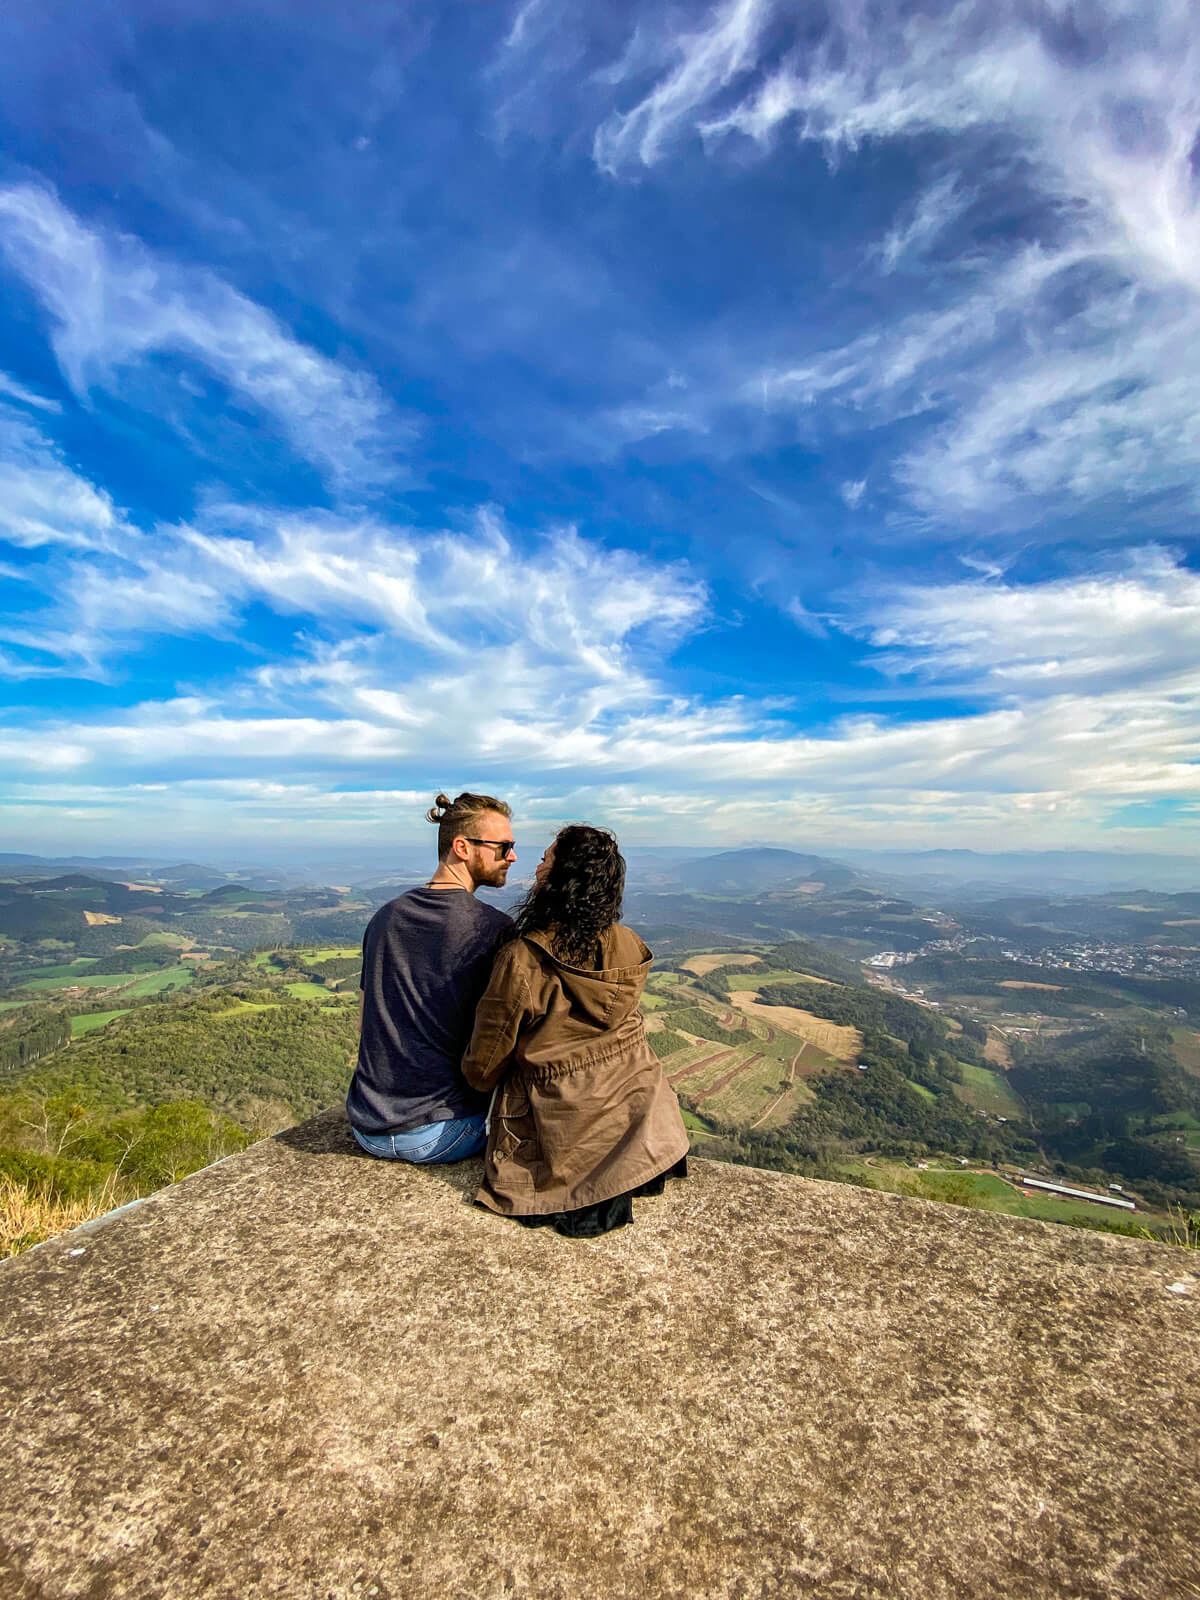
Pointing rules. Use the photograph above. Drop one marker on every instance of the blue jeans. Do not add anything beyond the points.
(435, 1142)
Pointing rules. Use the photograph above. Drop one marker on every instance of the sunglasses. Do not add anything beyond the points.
(505, 846)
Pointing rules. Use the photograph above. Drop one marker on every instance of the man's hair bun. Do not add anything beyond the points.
(460, 816)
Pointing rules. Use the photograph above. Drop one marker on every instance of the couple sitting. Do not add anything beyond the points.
(460, 1001)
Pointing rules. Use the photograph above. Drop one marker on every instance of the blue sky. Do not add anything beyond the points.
(766, 422)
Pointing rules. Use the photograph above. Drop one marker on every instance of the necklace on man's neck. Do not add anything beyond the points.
(457, 884)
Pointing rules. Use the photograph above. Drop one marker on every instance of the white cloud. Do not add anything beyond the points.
(10, 389)
(42, 500)
(936, 208)
(114, 303)
(538, 665)
(805, 620)
(1137, 627)
(321, 567)
(1071, 757)
(702, 64)
(459, 618)
(854, 492)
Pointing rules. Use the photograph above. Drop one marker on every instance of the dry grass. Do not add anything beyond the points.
(1018, 983)
(996, 1051)
(748, 1097)
(99, 919)
(703, 965)
(28, 1217)
(785, 1106)
(841, 1042)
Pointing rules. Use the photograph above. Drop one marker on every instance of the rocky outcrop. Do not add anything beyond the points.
(306, 1373)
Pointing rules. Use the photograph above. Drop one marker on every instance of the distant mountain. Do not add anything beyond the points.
(70, 880)
(746, 872)
(170, 875)
(1042, 871)
(228, 894)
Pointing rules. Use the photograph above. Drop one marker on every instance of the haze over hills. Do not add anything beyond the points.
(1073, 871)
(741, 870)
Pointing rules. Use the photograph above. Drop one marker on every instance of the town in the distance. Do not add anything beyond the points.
(1017, 1034)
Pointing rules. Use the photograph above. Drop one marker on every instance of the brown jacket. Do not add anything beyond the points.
(583, 1112)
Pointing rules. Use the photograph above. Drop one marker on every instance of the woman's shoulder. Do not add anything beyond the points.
(625, 947)
(523, 950)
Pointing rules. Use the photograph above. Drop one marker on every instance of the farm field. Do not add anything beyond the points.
(756, 1084)
(988, 1091)
(833, 1038)
(89, 1021)
(80, 980)
(310, 991)
(984, 1190)
(996, 1050)
(1184, 1125)
(156, 982)
(61, 969)
(759, 980)
(704, 964)
(695, 1124)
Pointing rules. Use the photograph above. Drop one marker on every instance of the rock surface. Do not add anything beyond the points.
(306, 1373)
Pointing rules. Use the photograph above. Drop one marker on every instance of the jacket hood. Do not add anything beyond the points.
(606, 994)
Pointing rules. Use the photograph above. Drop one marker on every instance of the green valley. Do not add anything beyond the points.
(146, 1030)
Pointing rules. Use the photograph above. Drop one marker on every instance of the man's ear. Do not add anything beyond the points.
(460, 847)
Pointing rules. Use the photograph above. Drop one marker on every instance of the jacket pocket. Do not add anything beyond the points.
(515, 1127)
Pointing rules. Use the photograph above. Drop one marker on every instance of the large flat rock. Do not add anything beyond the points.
(306, 1373)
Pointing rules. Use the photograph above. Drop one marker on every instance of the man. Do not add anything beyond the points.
(427, 957)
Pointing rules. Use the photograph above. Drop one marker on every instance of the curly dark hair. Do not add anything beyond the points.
(580, 896)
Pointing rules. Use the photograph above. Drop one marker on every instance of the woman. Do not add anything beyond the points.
(584, 1118)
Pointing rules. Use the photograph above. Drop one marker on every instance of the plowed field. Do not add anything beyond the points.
(696, 1070)
(727, 1078)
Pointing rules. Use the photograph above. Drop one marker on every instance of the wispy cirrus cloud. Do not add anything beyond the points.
(457, 615)
(43, 500)
(10, 389)
(1073, 732)
(908, 243)
(699, 64)
(1053, 360)
(114, 304)
(1134, 627)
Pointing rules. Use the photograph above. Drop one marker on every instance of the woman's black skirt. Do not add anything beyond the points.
(588, 1222)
